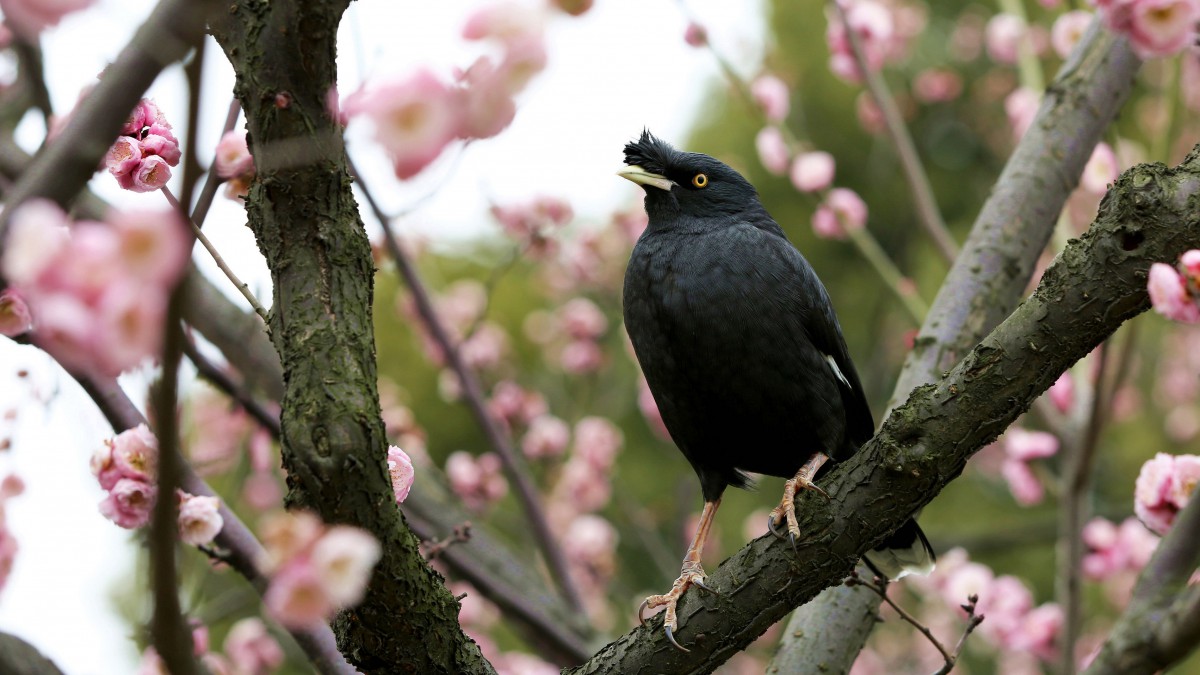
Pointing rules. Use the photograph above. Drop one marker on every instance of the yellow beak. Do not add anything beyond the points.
(643, 177)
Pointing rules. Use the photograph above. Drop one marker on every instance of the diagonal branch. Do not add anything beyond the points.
(1094, 286)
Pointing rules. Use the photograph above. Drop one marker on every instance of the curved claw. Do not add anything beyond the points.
(671, 638)
(771, 527)
(642, 611)
(792, 539)
(817, 489)
(705, 587)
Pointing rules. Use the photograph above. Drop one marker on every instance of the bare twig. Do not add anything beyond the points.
(473, 394)
(460, 535)
(242, 287)
(926, 205)
(222, 381)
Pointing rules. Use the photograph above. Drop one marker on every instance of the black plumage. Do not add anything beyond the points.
(738, 340)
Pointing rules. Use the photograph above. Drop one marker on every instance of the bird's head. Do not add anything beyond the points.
(685, 183)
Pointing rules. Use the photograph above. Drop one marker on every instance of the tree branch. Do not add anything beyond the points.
(18, 657)
(1097, 283)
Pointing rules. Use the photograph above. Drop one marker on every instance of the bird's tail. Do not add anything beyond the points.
(906, 551)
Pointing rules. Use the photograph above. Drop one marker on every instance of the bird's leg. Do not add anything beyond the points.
(692, 574)
(786, 510)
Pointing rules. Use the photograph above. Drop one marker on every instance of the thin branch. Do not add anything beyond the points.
(460, 535)
(170, 632)
(526, 493)
(918, 182)
(222, 381)
(242, 287)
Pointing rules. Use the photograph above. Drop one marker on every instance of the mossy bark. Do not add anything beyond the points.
(306, 222)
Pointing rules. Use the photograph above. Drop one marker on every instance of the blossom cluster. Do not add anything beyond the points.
(249, 649)
(97, 291)
(1164, 486)
(1175, 293)
(1021, 447)
(314, 569)
(126, 467)
(142, 156)
(416, 117)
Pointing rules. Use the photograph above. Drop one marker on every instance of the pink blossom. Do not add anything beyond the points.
(1100, 170)
(477, 481)
(129, 503)
(485, 100)
(37, 233)
(415, 119)
(1006, 601)
(144, 114)
(1021, 107)
(1004, 34)
(591, 542)
(261, 491)
(772, 150)
(650, 411)
(296, 596)
(151, 174)
(579, 357)
(772, 96)
(343, 560)
(523, 59)
(1161, 27)
(128, 325)
(582, 485)
(288, 535)
(547, 436)
(1114, 549)
(1068, 30)
(1189, 262)
(233, 158)
(251, 648)
(515, 405)
(401, 470)
(1169, 294)
(135, 454)
(597, 442)
(160, 141)
(124, 156)
(937, 85)
(1038, 631)
(1164, 486)
(812, 171)
(30, 17)
(1022, 482)
(695, 35)
(153, 245)
(199, 519)
(485, 347)
(1062, 392)
(505, 21)
(15, 318)
(581, 318)
(1023, 445)
(103, 467)
(840, 212)
(875, 28)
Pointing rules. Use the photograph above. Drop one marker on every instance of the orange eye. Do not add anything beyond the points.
(700, 180)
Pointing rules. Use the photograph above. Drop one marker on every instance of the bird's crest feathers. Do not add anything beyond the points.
(652, 154)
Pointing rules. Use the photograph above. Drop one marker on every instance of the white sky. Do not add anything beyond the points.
(621, 67)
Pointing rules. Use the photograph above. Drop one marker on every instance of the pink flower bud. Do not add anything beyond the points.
(1004, 34)
(1190, 263)
(151, 174)
(937, 85)
(129, 503)
(1062, 393)
(1023, 445)
(772, 95)
(251, 648)
(547, 436)
(1021, 107)
(1100, 170)
(160, 141)
(695, 35)
(1164, 486)
(772, 150)
(233, 158)
(343, 560)
(414, 119)
(37, 234)
(842, 211)
(1169, 294)
(296, 598)
(1024, 484)
(812, 171)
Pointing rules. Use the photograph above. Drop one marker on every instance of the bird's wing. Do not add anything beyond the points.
(823, 330)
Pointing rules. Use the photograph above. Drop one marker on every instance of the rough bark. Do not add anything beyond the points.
(18, 657)
(1098, 283)
(306, 222)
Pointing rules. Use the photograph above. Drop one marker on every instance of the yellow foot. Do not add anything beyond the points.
(691, 575)
(786, 511)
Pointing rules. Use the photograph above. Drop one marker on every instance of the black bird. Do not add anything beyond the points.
(741, 348)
